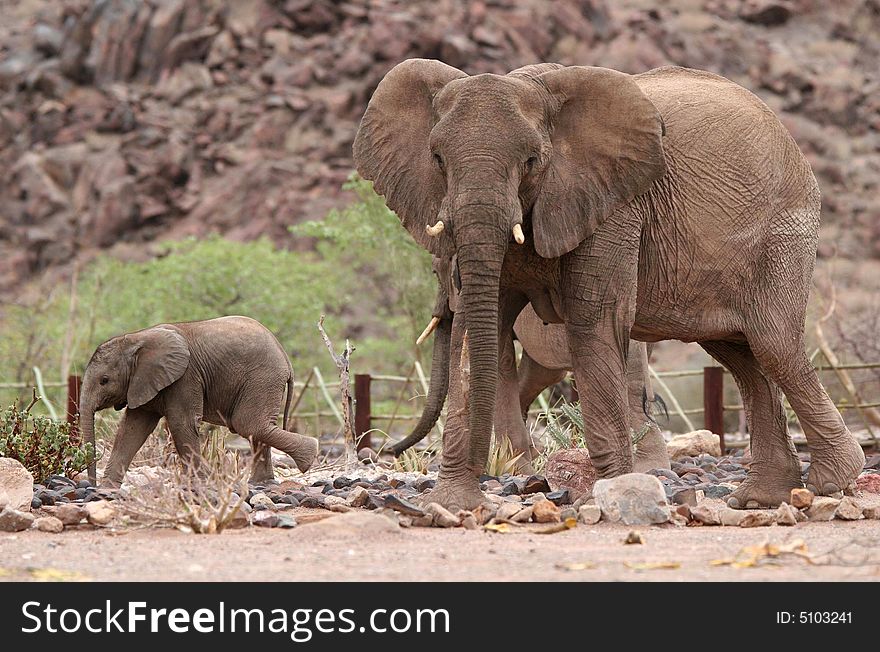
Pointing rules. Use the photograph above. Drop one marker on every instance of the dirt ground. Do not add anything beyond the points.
(839, 551)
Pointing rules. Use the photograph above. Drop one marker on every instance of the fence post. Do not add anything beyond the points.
(713, 401)
(74, 385)
(362, 416)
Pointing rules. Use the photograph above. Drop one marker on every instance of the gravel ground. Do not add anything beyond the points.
(373, 551)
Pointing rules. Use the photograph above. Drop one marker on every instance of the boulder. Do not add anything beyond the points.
(12, 520)
(694, 443)
(16, 485)
(572, 469)
(634, 498)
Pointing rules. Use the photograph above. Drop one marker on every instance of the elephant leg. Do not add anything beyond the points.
(650, 452)
(598, 282)
(135, 427)
(836, 458)
(262, 470)
(508, 423)
(184, 427)
(301, 448)
(458, 485)
(534, 378)
(775, 468)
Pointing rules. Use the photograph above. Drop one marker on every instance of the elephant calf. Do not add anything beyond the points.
(229, 371)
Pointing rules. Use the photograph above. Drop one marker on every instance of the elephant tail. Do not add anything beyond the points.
(287, 400)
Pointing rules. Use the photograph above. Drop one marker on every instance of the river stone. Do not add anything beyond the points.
(49, 524)
(99, 512)
(801, 498)
(848, 510)
(12, 520)
(16, 485)
(572, 469)
(589, 514)
(694, 443)
(786, 515)
(823, 508)
(545, 511)
(634, 498)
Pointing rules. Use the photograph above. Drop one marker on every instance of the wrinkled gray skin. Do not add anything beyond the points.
(545, 361)
(671, 204)
(229, 371)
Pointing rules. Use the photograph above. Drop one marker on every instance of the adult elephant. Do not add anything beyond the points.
(545, 361)
(670, 204)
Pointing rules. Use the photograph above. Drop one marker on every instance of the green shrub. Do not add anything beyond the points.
(45, 447)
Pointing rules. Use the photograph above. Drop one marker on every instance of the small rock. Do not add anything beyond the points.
(239, 519)
(16, 485)
(731, 517)
(567, 513)
(12, 520)
(705, 514)
(442, 516)
(358, 497)
(99, 512)
(560, 497)
(342, 482)
(424, 483)
(422, 521)
(261, 501)
(572, 469)
(467, 520)
(717, 491)
(801, 498)
(512, 488)
(524, 515)
(786, 515)
(760, 518)
(634, 498)
(589, 514)
(36, 503)
(848, 510)
(403, 506)
(535, 483)
(70, 514)
(823, 508)
(265, 518)
(765, 12)
(49, 524)
(694, 443)
(507, 510)
(685, 497)
(634, 537)
(484, 513)
(872, 513)
(545, 511)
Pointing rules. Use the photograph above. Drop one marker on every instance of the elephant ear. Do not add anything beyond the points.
(161, 357)
(391, 148)
(607, 149)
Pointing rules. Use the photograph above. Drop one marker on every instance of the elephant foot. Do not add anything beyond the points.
(306, 454)
(835, 468)
(764, 489)
(455, 493)
(651, 452)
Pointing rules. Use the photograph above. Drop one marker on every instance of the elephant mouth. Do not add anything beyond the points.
(120, 406)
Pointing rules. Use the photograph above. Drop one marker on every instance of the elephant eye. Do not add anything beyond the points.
(104, 380)
(531, 163)
(438, 161)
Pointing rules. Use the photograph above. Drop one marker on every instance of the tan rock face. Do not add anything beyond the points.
(823, 508)
(544, 511)
(801, 498)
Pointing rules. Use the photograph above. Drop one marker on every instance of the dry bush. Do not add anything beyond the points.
(203, 497)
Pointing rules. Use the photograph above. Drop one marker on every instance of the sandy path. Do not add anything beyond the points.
(310, 552)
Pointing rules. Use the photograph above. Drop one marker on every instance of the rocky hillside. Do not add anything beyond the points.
(124, 122)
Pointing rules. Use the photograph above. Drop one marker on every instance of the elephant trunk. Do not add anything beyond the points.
(480, 264)
(87, 425)
(437, 390)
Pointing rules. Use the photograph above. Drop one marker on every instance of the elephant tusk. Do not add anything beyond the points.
(518, 234)
(428, 329)
(435, 230)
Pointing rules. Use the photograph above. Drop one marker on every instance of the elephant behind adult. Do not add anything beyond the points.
(229, 371)
(667, 205)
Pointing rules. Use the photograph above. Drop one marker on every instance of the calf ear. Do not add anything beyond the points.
(161, 355)
(607, 149)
